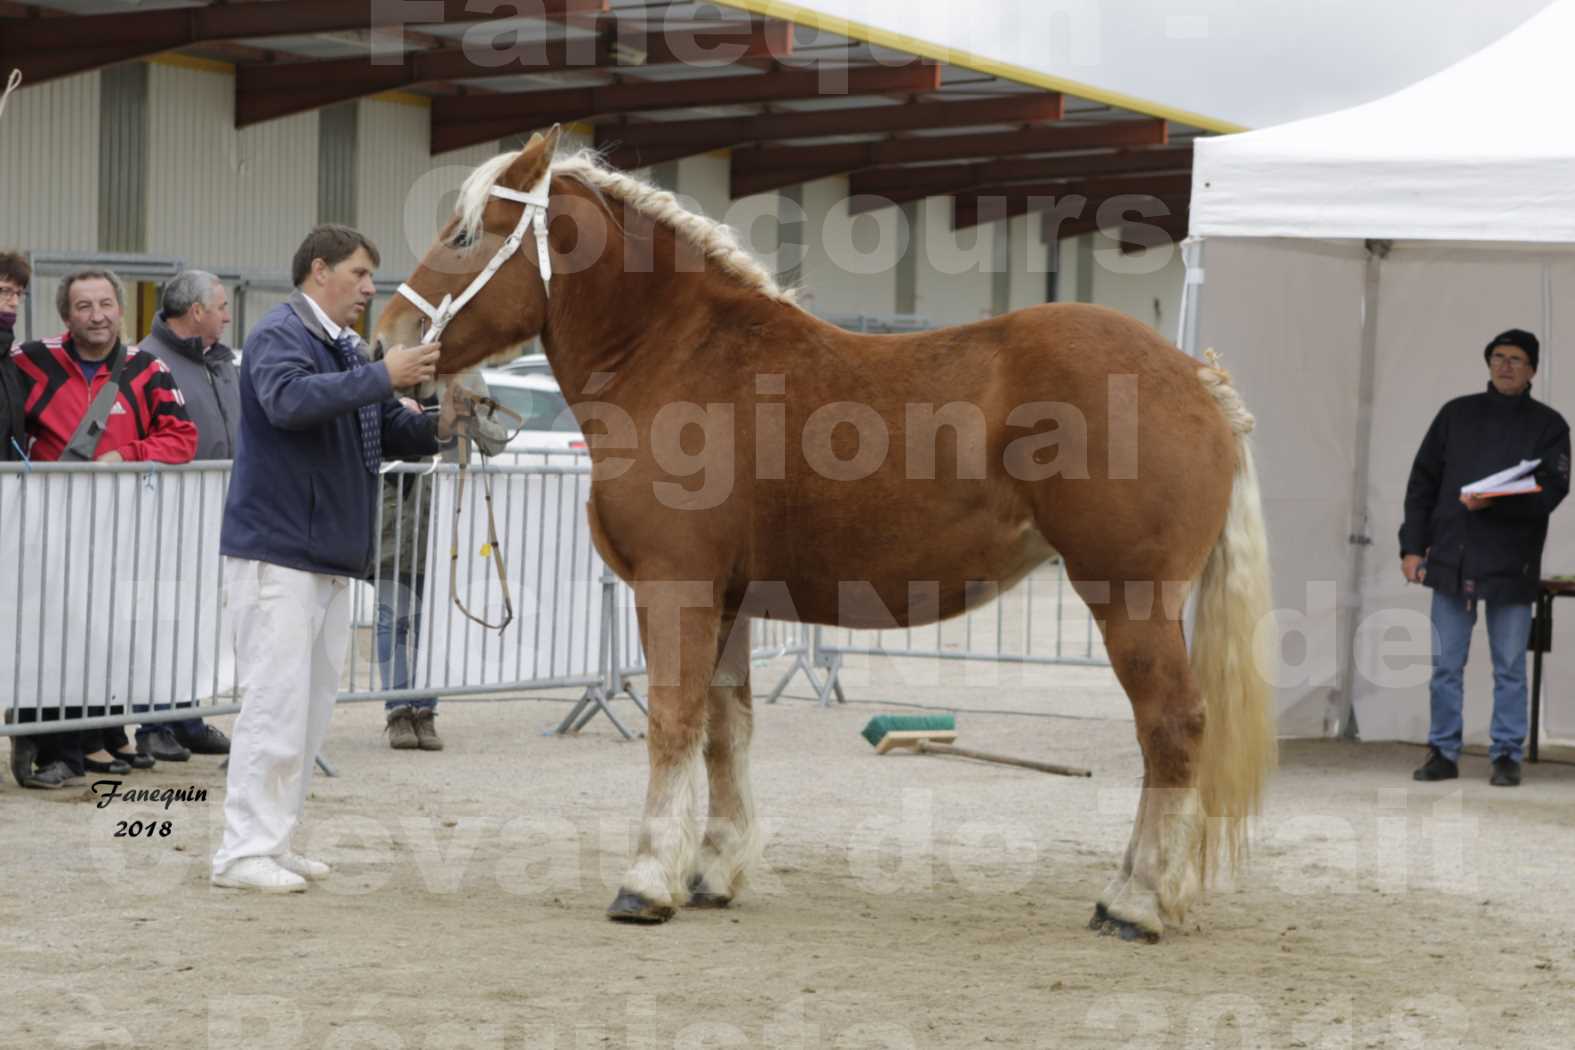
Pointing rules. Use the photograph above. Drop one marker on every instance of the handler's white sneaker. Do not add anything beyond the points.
(261, 874)
(306, 867)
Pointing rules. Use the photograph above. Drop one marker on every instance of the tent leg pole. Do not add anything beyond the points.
(1342, 716)
(1187, 324)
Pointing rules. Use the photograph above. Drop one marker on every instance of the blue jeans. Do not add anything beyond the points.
(1509, 629)
(398, 627)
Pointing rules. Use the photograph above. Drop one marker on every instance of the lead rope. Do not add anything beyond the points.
(493, 548)
(14, 82)
(533, 214)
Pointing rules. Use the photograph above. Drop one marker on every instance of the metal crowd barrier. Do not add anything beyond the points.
(112, 612)
(769, 640)
(1041, 621)
(112, 607)
(110, 595)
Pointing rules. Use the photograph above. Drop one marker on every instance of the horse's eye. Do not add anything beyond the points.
(461, 239)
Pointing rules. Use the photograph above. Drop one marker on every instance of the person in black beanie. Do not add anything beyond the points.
(1471, 548)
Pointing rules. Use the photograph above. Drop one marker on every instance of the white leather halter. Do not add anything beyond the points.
(535, 214)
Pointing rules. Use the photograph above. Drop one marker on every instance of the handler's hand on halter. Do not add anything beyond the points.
(412, 366)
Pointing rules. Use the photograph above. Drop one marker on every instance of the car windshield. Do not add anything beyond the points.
(541, 409)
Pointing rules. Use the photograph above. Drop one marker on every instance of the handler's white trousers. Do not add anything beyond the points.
(292, 633)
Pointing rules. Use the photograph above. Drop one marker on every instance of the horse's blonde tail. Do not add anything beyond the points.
(1239, 749)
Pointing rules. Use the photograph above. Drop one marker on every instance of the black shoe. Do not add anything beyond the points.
(162, 745)
(24, 749)
(134, 759)
(205, 741)
(55, 775)
(1506, 773)
(1437, 767)
(114, 766)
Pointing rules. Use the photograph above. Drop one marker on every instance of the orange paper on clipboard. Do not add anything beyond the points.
(1514, 490)
(1514, 481)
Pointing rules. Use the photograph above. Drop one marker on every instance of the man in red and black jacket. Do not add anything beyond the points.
(61, 376)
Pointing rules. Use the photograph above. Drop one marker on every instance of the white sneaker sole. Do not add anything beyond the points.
(310, 876)
(224, 883)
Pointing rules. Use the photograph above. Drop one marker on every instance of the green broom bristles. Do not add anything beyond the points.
(880, 725)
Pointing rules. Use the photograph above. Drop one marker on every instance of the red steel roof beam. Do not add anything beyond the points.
(267, 92)
(773, 167)
(967, 213)
(467, 120)
(636, 145)
(49, 48)
(880, 187)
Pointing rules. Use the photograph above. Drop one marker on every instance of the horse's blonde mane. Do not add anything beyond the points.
(719, 243)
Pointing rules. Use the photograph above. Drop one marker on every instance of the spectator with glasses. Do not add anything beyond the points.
(14, 277)
(15, 274)
(1476, 548)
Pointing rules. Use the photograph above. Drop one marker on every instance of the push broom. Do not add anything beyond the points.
(933, 735)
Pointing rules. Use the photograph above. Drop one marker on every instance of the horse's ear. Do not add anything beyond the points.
(534, 159)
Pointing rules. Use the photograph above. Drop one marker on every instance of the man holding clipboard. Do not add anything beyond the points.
(1490, 471)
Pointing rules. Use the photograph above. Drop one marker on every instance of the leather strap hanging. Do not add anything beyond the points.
(84, 440)
(469, 409)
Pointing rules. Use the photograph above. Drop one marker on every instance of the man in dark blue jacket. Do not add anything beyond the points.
(316, 419)
(1473, 548)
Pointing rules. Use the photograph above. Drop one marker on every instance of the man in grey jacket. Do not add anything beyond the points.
(186, 337)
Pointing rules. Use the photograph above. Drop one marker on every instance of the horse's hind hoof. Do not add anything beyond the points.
(1108, 925)
(1129, 932)
(700, 897)
(631, 907)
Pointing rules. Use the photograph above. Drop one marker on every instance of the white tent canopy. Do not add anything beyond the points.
(1356, 265)
(1483, 151)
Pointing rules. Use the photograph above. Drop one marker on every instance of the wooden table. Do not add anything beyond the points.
(1541, 642)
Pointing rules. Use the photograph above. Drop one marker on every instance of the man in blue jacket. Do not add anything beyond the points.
(316, 419)
(1475, 549)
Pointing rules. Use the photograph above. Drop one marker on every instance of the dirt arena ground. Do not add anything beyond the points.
(906, 901)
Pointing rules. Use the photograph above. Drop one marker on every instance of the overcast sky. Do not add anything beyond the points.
(1252, 62)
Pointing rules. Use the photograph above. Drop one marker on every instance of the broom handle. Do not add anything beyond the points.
(925, 747)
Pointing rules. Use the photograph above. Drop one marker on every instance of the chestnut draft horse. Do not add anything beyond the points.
(1075, 430)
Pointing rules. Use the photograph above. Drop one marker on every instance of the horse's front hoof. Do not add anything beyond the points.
(1108, 925)
(631, 907)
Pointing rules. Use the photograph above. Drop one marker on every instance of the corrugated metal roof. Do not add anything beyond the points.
(493, 46)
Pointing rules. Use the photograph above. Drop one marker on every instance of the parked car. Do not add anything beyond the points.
(549, 424)
(527, 365)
